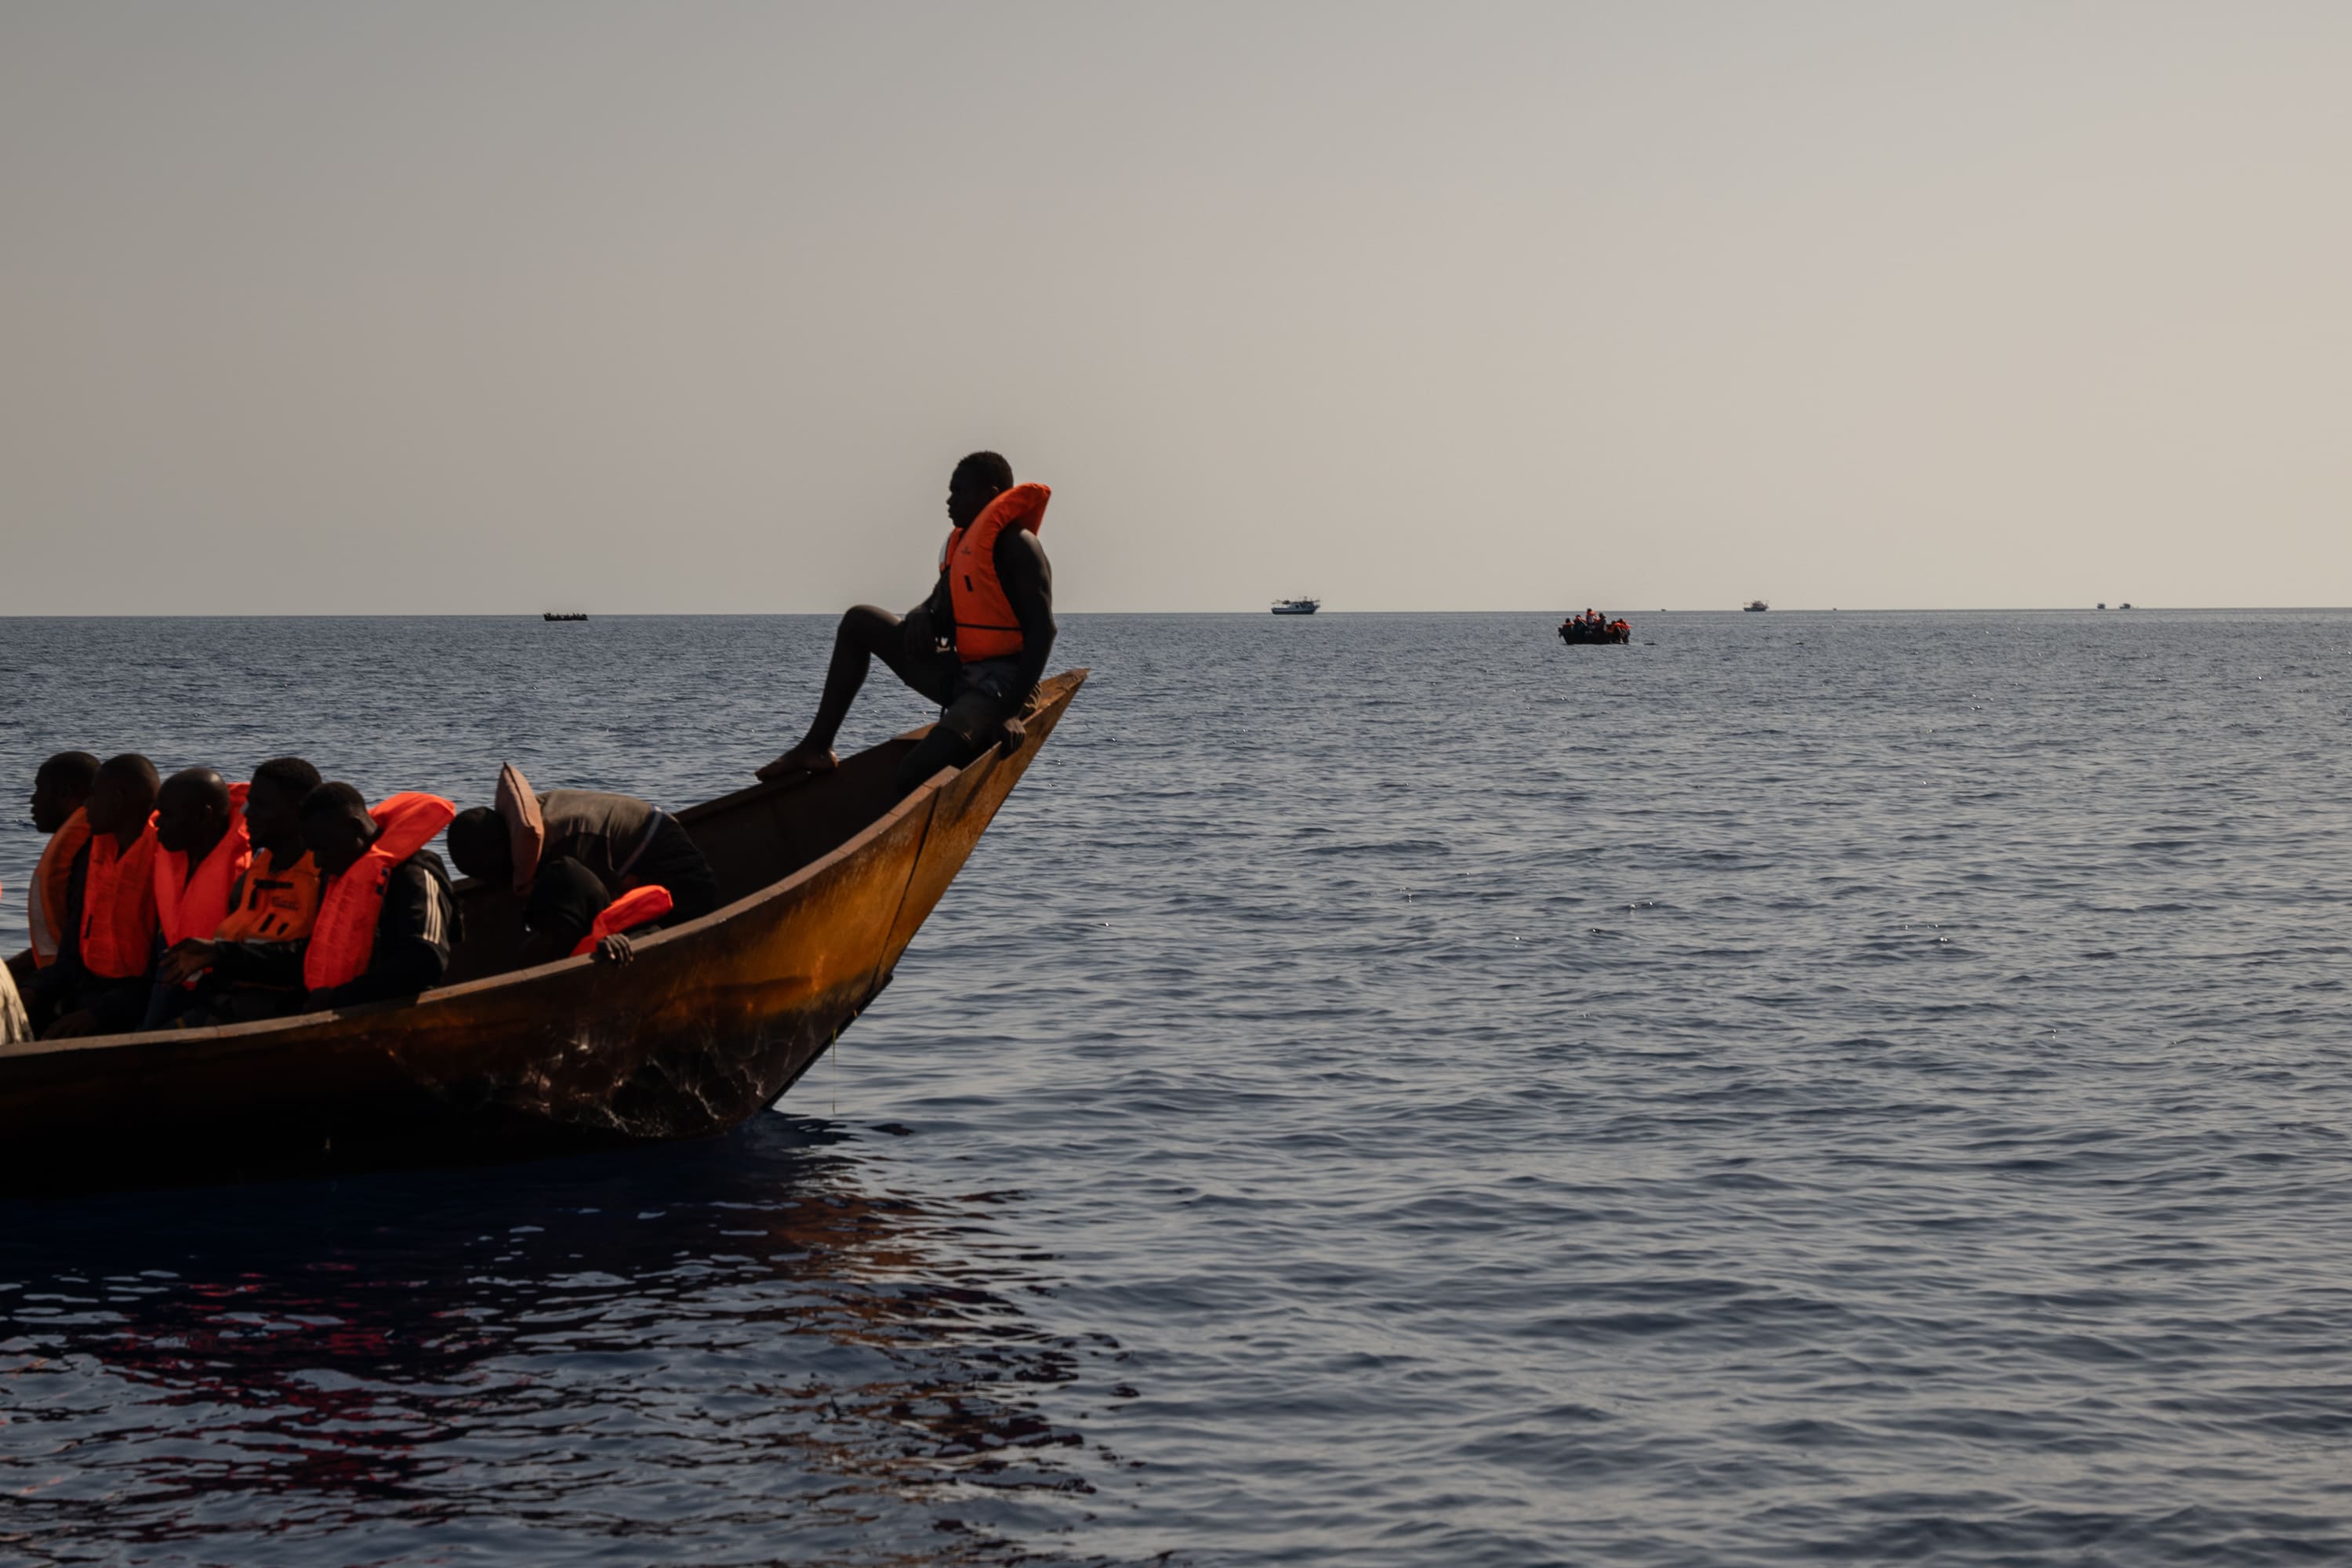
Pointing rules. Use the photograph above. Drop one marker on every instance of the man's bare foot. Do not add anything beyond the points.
(801, 760)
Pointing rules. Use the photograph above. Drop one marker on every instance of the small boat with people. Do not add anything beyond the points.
(822, 878)
(564, 615)
(1595, 628)
(1297, 606)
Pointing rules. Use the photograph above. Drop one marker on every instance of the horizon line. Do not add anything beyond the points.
(2132, 608)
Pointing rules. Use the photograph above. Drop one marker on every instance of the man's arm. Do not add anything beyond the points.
(412, 942)
(1028, 580)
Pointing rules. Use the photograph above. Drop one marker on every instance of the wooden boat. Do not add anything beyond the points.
(564, 615)
(824, 879)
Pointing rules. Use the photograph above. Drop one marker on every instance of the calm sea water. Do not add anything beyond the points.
(1389, 1089)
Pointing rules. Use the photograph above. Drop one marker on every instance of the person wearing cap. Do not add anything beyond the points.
(559, 848)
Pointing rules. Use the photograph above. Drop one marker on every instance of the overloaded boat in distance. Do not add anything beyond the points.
(564, 615)
(1575, 631)
(824, 879)
(1756, 607)
(1297, 606)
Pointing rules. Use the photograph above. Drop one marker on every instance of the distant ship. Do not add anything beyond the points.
(564, 615)
(1756, 604)
(1297, 606)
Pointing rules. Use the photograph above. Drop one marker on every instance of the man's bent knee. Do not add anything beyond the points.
(869, 626)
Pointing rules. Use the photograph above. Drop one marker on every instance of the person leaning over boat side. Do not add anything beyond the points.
(107, 959)
(386, 919)
(624, 842)
(61, 789)
(275, 899)
(201, 850)
(977, 646)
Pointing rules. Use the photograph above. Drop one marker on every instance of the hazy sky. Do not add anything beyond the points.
(317, 306)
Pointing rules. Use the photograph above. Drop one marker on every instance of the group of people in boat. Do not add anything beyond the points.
(186, 901)
(189, 900)
(1593, 626)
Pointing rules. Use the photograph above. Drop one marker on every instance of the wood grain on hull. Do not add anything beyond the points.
(828, 881)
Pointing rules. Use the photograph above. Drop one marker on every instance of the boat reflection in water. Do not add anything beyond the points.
(744, 1350)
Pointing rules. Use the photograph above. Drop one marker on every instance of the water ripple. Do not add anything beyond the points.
(1389, 1089)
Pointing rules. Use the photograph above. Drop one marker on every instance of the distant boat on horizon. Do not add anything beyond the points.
(1756, 604)
(564, 615)
(1297, 606)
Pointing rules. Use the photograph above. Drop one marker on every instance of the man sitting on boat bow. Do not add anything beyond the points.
(977, 646)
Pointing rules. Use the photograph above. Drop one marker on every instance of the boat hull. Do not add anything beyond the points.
(829, 880)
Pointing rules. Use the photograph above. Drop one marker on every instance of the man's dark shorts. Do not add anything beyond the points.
(974, 698)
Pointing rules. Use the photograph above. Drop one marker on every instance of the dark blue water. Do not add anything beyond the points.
(1389, 1089)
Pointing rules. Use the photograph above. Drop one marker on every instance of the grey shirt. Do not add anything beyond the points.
(604, 832)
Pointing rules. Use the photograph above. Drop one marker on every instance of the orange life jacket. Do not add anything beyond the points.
(45, 902)
(118, 906)
(195, 905)
(342, 938)
(631, 909)
(271, 905)
(985, 627)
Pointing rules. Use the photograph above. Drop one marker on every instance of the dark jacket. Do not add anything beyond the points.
(412, 938)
